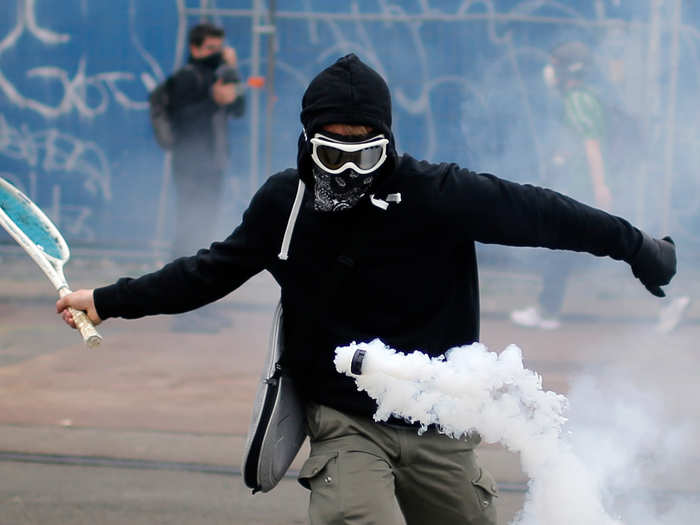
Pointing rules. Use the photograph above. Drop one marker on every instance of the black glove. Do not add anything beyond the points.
(654, 263)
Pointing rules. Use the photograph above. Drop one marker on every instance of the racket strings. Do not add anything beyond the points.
(21, 213)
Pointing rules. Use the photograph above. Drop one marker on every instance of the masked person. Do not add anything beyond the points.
(200, 101)
(367, 243)
(597, 140)
(577, 167)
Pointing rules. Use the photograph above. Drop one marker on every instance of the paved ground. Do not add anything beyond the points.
(149, 428)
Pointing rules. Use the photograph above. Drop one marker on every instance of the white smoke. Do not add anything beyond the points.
(634, 422)
(474, 389)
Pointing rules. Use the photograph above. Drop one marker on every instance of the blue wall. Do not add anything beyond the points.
(465, 77)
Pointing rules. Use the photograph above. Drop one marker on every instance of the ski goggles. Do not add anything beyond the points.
(335, 157)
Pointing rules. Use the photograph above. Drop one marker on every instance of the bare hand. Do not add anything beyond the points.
(223, 94)
(80, 300)
(230, 56)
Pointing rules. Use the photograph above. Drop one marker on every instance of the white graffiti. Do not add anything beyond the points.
(50, 152)
(26, 19)
(76, 88)
(509, 82)
(77, 91)
(53, 151)
(399, 18)
(70, 219)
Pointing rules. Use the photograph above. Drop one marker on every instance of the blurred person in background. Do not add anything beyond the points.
(202, 96)
(598, 147)
(630, 150)
(366, 243)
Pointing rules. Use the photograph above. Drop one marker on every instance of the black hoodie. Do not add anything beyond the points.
(200, 124)
(400, 269)
(348, 92)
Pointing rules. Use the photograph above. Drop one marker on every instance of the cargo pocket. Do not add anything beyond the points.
(318, 470)
(485, 489)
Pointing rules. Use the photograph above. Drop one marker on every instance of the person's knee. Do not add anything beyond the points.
(349, 487)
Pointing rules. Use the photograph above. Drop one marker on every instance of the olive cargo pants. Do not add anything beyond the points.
(358, 471)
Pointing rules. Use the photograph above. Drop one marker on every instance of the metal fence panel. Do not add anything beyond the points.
(466, 81)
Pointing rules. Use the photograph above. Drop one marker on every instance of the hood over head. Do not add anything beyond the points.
(347, 92)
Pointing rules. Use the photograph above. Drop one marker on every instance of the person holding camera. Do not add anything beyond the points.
(202, 96)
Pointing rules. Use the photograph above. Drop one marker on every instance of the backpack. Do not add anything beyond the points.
(158, 104)
(160, 120)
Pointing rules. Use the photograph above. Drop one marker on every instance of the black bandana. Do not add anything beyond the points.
(340, 191)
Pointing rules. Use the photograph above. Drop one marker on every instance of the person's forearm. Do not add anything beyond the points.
(596, 165)
(596, 170)
(182, 285)
(190, 282)
(497, 211)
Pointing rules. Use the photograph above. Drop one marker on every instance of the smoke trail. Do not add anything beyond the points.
(634, 422)
(474, 389)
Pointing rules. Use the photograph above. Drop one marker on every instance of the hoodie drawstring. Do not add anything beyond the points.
(384, 204)
(294, 213)
(284, 250)
(379, 203)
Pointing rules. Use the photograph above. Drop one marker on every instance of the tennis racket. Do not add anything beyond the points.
(34, 232)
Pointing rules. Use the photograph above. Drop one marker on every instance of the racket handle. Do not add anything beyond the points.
(90, 334)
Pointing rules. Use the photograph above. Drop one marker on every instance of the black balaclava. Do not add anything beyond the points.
(347, 92)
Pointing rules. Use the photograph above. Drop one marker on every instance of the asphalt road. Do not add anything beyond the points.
(150, 427)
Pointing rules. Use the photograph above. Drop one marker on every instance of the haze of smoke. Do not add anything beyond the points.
(634, 422)
(474, 389)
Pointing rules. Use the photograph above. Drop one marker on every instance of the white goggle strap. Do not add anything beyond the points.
(320, 140)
